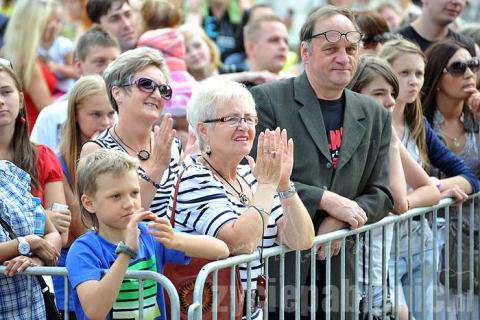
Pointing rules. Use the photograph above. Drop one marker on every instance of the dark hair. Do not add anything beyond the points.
(369, 67)
(98, 8)
(24, 151)
(158, 14)
(95, 36)
(373, 27)
(437, 59)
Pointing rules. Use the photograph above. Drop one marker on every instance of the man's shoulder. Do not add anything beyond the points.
(407, 32)
(469, 42)
(278, 85)
(54, 109)
(369, 105)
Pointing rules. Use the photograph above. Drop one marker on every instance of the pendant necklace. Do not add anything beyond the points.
(241, 195)
(456, 141)
(143, 154)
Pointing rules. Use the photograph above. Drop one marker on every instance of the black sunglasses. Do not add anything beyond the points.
(148, 85)
(458, 68)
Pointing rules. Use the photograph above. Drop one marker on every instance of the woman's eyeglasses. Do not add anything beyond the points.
(148, 85)
(234, 121)
(458, 68)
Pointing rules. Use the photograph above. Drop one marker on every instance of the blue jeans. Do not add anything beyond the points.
(404, 284)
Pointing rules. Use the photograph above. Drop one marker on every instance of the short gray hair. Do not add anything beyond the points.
(209, 96)
(122, 69)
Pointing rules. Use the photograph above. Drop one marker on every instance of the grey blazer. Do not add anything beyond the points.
(362, 173)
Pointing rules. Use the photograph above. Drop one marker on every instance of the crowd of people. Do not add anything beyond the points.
(267, 140)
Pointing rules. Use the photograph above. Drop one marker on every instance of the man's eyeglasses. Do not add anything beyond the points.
(148, 85)
(334, 36)
(234, 121)
(6, 63)
(458, 68)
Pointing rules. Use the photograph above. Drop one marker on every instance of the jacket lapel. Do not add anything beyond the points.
(311, 114)
(353, 128)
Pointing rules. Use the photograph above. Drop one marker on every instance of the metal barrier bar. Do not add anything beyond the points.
(164, 282)
(195, 311)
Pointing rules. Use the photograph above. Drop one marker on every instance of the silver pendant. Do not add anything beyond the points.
(243, 198)
(456, 143)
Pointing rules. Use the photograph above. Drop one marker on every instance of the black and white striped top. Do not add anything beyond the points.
(160, 201)
(204, 206)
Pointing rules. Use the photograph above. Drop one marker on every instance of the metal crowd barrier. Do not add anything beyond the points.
(446, 211)
(140, 275)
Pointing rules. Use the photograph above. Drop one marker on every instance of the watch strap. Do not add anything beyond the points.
(123, 248)
(287, 193)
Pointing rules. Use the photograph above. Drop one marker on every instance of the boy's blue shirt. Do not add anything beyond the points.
(91, 253)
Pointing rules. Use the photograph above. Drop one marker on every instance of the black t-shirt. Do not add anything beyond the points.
(411, 34)
(222, 32)
(332, 112)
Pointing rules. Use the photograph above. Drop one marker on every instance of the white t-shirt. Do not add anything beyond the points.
(48, 127)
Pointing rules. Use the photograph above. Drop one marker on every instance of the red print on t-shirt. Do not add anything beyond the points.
(335, 144)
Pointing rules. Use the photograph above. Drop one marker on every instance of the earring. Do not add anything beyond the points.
(22, 120)
(208, 150)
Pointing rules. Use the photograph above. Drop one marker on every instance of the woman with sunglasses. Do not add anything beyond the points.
(451, 79)
(246, 206)
(137, 87)
(408, 63)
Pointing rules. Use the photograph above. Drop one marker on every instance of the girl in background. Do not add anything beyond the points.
(89, 113)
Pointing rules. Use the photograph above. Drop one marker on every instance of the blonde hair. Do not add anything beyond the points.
(91, 167)
(22, 36)
(189, 31)
(71, 144)
(413, 112)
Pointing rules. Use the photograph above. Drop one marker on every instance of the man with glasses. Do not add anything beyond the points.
(341, 154)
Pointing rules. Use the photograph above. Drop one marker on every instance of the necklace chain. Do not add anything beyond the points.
(142, 154)
(241, 195)
(456, 140)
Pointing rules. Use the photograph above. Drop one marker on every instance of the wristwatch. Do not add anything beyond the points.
(23, 246)
(287, 193)
(123, 248)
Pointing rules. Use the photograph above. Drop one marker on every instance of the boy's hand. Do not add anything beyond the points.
(163, 232)
(132, 233)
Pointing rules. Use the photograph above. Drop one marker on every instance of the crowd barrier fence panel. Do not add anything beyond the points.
(131, 274)
(428, 217)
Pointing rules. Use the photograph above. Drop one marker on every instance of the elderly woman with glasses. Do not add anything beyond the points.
(137, 85)
(246, 206)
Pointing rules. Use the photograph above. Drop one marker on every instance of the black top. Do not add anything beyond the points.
(332, 112)
(411, 34)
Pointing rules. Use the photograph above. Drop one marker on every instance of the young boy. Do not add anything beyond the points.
(109, 193)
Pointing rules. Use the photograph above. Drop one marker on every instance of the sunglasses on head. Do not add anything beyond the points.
(458, 68)
(148, 85)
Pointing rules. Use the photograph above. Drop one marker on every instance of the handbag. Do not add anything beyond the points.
(452, 270)
(184, 277)
(377, 312)
(48, 297)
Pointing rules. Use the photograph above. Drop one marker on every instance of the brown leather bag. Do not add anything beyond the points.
(184, 277)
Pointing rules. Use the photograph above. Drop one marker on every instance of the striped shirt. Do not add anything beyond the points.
(162, 196)
(204, 206)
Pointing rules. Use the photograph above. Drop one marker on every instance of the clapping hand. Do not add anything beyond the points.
(133, 232)
(163, 232)
(163, 136)
(267, 168)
